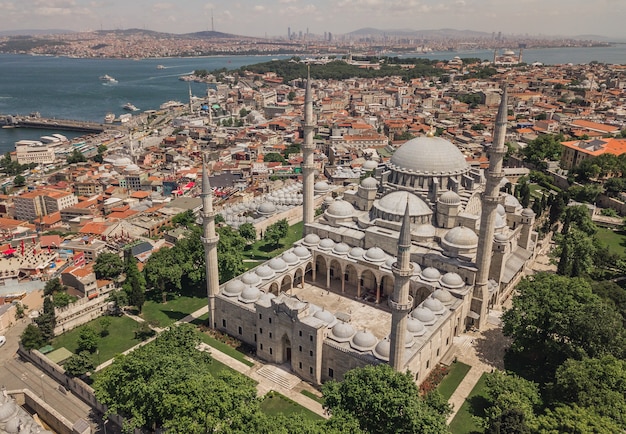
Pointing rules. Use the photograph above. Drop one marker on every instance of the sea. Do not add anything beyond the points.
(70, 88)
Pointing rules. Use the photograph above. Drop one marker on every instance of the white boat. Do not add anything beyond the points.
(107, 78)
(160, 67)
(109, 118)
(130, 107)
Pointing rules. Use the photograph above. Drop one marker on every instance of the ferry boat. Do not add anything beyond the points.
(160, 67)
(130, 107)
(107, 79)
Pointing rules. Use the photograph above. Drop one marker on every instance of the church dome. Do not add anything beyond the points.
(326, 244)
(452, 280)
(265, 272)
(375, 254)
(363, 341)
(430, 274)
(250, 279)
(370, 165)
(340, 208)
(450, 198)
(277, 264)
(342, 332)
(414, 326)
(461, 236)
(369, 183)
(382, 349)
(250, 294)
(395, 203)
(301, 252)
(326, 316)
(430, 154)
(290, 258)
(434, 305)
(341, 249)
(234, 288)
(425, 316)
(311, 240)
(356, 253)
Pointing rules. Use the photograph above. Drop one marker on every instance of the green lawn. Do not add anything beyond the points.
(260, 251)
(474, 405)
(120, 338)
(452, 380)
(224, 348)
(615, 240)
(313, 396)
(176, 308)
(274, 403)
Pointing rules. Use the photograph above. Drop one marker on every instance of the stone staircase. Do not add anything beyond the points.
(279, 376)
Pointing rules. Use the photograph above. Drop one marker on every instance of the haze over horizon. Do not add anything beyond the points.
(273, 17)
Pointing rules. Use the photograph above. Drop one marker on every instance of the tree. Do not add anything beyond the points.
(382, 401)
(79, 364)
(87, 340)
(163, 272)
(105, 323)
(272, 235)
(76, 157)
(511, 400)
(229, 253)
(186, 219)
(557, 208)
(135, 283)
(292, 95)
(576, 252)
(108, 266)
(542, 149)
(32, 337)
(283, 227)
(62, 299)
(524, 194)
(20, 309)
(273, 157)
(47, 320)
(574, 420)
(52, 286)
(248, 232)
(19, 181)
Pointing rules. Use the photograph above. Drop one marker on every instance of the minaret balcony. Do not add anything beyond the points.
(401, 307)
(210, 241)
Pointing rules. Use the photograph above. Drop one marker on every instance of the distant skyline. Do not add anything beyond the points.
(273, 17)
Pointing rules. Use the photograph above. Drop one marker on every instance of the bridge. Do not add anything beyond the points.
(9, 121)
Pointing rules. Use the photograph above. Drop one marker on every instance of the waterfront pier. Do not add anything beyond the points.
(10, 121)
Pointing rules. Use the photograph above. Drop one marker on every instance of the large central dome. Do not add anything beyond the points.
(430, 155)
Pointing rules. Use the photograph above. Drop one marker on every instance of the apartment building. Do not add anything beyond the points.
(34, 204)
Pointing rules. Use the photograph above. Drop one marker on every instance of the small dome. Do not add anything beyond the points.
(233, 288)
(291, 258)
(409, 340)
(450, 198)
(301, 252)
(416, 268)
(452, 280)
(370, 165)
(267, 208)
(434, 305)
(425, 230)
(340, 208)
(277, 264)
(414, 326)
(342, 332)
(250, 279)
(500, 221)
(13, 426)
(430, 274)
(311, 240)
(266, 297)
(500, 209)
(501, 238)
(356, 253)
(460, 236)
(528, 212)
(510, 200)
(443, 295)
(341, 249)
(425, 316)
(328, 201)
(382, 349)
(390, 261)
(326, 244)
(375, 254)
(265, 272)
(321, 187)
(363, 341)
(325, 316)
(369, 183)
(250, 294)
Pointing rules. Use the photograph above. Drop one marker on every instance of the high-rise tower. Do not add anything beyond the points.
(209, 240)
(308, 168)
(491, 199)
(401, 302)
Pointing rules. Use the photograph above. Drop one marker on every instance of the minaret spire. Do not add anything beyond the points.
(401, 302)
(491, 199)
(308, 166)
(209, 240)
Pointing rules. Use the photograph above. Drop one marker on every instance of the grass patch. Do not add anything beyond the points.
(474, 405)
(614, 240)
(176, 308)
(313, 396)
(451, 381)
(274, 404)
(121, 337)
(260, 251)
(225, 348)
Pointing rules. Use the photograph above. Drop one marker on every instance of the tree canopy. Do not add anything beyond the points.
(543, 148)
(108, 266)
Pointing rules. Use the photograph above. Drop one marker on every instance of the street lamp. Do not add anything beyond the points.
(104, 425)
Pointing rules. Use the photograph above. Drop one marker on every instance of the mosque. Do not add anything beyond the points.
(390, 272)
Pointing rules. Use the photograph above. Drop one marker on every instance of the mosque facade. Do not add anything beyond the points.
(390, 272)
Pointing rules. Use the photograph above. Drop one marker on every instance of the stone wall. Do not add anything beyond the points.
(49, 415)
(78, 313)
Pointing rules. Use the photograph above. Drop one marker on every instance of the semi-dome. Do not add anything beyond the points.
(356, 253)
(395, 203)
(250, 294)
(430, 154)
(452, 280)
(340, 208)
(450, 198)
(342, 332)
(277, 264)
(234, 288)
(301, 252)
(311, 240)
(290, 258)
(251, 279)
(326, 244)
(430, 274)
(434, 305)
(325, 316)
(424, 315)
(461, 236)
(341, 249)
(443, 295)
(382, 349)
(375, 254)
(369, 183)
(414, 326)
(363, 341)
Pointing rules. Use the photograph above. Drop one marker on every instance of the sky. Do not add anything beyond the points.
(273, 17)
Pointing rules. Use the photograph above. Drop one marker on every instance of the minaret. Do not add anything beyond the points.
(308, 168)
(209, 240)
(190, 100)
(401, 302)
(490, 200)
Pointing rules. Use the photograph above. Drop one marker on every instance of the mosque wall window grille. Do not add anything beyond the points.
(224, 323)
(299, 365)
(239, 330)
(261, 331)
(311, 370)
(300, 348)
(300, 333)
(331, 373)
(270, 335)
(270, 318)
(311, 353)
(311, 338)
(270, 351)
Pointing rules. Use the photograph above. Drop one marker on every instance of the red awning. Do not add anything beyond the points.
(9, 251)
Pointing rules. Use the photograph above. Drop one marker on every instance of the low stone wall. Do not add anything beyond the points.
(47, 414)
